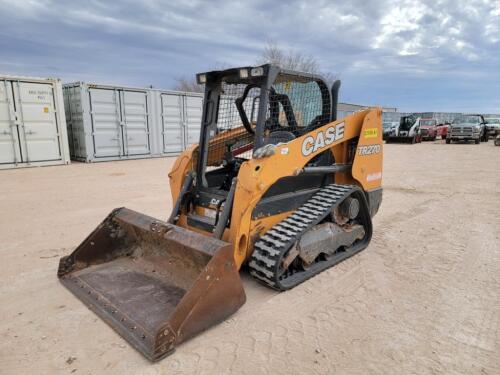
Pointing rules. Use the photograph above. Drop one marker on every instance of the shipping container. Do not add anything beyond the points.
(113, 122)
(180, 117)
(32, 122)
(109, 122)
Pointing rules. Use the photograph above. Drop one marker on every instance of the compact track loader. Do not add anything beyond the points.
(408, 130)
(276, 183)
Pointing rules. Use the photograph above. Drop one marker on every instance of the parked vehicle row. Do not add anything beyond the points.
(414, 129)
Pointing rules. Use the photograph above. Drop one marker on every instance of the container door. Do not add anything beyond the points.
(106, 119)
(193, 111)
(134, 109)
(172, 124)
(39, 130)
(10, 150)
(75, 121)
(67, 96)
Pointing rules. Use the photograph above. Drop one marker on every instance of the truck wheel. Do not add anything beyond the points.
(476, 141)
(448, 141)
(497, 142)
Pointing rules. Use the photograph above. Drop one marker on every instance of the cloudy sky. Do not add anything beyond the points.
(438, 55)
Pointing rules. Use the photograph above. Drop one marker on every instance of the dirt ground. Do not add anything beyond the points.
(424, 298)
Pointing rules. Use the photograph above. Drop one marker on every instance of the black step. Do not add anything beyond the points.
(205, 223)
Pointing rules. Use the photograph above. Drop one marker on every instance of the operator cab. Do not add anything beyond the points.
(249, 107)
(407, 122)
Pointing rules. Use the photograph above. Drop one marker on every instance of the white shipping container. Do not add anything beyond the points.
(180, 114)
(32, 122)
(114, 122)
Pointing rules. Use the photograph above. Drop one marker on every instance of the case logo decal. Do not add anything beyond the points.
(322, 139)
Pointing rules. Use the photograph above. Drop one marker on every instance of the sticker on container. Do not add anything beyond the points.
(284, 151)
(46, 109)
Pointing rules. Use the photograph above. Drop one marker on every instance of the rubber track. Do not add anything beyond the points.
(270, 248)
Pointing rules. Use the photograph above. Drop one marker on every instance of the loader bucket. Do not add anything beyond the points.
(155, 283)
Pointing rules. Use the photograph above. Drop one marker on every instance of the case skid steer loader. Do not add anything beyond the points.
(276, 183)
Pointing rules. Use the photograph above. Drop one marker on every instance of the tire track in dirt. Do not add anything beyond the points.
(423, 298)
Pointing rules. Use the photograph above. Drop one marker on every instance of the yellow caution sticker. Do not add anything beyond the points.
(371, 133)
(46, 109)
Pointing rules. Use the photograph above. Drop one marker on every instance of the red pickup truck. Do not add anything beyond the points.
(430, 129)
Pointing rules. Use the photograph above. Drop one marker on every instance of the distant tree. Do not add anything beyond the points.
(191, 85)
(293, 60)
(186, 84)
(272, 53)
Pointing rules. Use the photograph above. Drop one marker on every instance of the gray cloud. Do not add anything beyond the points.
(416, 55)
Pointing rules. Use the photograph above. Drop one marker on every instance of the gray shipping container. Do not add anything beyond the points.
(180, 120)
(109, 122)
(114, 123)
(32, 122)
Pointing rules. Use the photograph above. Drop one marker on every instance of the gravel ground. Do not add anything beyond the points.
(424, 298)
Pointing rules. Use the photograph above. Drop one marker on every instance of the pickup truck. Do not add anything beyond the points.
(468, 128)
(442, 129)
(388, 127)
(492, 124)
(428, 129)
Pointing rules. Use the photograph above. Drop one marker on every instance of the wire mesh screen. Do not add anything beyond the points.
(231, 136)
(296, 106)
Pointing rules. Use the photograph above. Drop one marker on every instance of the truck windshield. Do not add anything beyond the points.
(427, 122)
(466, 120)
(493, 121)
